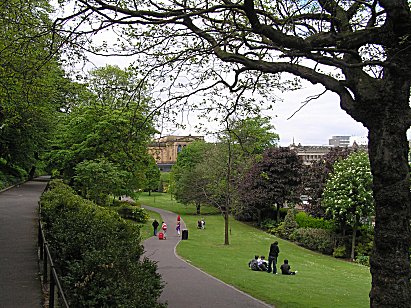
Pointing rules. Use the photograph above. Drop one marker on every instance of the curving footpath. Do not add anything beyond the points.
(185, 285)
(19, 277)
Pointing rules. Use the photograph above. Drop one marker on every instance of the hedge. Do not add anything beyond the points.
(97, 253)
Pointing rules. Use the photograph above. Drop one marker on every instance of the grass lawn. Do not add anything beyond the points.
(321, 281)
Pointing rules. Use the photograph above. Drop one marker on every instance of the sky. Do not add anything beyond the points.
(314, 124)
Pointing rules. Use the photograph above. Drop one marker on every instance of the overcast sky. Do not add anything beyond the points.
(314, 124)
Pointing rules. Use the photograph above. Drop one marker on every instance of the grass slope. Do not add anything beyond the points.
(321, 281)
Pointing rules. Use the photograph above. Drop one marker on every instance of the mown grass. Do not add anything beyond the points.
(321, 281)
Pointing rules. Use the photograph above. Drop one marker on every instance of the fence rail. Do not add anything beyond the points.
(50, 277)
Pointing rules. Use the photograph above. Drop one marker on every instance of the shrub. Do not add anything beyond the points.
(97, 253)
(289, 223)
(365, 241)
(133, 213)
(364, 260)
(340, 252)
(306, 221)
(315, 239)
(268, 224)
(278, 231)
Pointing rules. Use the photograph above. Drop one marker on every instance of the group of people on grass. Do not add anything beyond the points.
(260, 264)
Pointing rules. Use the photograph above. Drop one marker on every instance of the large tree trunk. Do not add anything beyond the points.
(388, 152)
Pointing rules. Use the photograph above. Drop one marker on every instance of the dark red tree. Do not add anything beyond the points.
(272, 181)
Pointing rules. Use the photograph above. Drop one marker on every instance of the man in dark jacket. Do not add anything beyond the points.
(272, 258)
(155, 226)
(286, 268)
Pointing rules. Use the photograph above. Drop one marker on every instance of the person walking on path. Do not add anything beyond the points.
(155, 226)
(272, 257)
(164, 228)
(178, 228)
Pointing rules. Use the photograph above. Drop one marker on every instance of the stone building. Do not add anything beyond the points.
(165, 149)
(310, 153)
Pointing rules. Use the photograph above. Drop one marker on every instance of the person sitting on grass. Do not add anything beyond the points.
(262, 264)
(286, 268)
(253, 264)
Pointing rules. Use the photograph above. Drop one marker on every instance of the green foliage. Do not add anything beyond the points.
(268, 224)
(315, 239)
(289, 223)
(348, 192)
(340, 252)
(363, 260)
(107, 124)
(348, 195)
(152, 175)
(97, 253)
(136, 214)
(253, 135)
(304, 220)
(97, 179)
(31, 84)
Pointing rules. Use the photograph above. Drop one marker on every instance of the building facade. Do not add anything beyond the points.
(165, 149)
(339, 141)
(310, 153)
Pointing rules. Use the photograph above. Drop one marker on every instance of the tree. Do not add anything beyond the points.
(189, 183)
(31, 82)
(253, 134)
(116, 129)
(274, 180)
(359, 50)
(152, 175)
(97, 179)
(348, 194)
(315, 177)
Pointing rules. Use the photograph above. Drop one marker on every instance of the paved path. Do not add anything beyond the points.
(19, 279)
(187, 286)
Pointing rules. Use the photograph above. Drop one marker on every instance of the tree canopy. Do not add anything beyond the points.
(32, 84)
(114, 129)
(348, 195)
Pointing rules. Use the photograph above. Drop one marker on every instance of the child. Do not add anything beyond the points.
(164, 228)
(286, 269)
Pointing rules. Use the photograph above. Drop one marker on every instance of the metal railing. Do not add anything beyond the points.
(49, 275)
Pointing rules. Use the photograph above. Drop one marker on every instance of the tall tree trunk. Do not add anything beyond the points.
(278, 213)
(388, 152)
(354, 234)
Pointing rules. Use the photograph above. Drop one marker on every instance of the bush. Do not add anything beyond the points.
(306, 221)
(278, 231)
(315, 239)
(365, 242)
(364, 260)
(97, 253)
(289, 223)
(133, 213)
(340, 252)
(268, 224)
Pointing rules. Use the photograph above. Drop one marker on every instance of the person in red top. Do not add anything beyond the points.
(164, 228)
